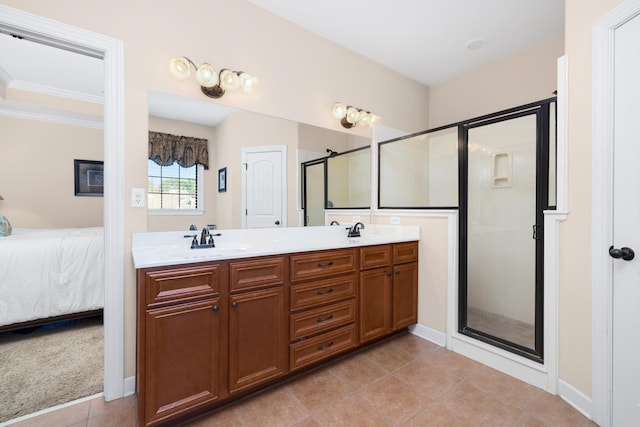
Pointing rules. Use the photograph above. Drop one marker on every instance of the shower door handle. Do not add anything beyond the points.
(535, 232)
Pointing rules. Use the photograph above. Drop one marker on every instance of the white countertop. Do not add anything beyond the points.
(172, 247)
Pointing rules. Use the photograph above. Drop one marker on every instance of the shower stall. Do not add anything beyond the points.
(498, 170)
(505, 162)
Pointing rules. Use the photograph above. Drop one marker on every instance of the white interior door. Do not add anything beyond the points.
(626, 227)
(265, 187)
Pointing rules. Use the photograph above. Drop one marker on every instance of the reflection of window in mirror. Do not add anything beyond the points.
(349, 179)
(420, 171)
(174, 187)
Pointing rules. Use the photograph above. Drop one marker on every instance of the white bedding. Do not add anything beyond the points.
(50, 272)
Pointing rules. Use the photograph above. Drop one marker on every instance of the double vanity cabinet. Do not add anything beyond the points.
(212, 331)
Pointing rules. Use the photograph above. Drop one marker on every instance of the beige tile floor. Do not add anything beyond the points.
(403, 382)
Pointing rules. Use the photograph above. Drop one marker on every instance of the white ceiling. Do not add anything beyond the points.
(422, 39)
(426, 39)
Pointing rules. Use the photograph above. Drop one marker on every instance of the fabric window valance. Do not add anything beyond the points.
(164, 149)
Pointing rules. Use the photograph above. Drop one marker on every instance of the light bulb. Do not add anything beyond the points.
(206, 76)
(229, 80)
(248, 82)
(353, 115)
(180, 68)
(339, 110)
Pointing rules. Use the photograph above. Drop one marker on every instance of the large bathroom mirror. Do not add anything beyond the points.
(232, 136)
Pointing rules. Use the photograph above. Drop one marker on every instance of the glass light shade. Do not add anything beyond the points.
(248, 82)
(229, 80)
(365, 118)
(180, 68)
(374, 119)
(206, 76)
(353, 115)
(5, 226)
(339, 110)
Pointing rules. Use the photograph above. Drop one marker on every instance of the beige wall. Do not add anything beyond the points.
(574, 310)
(182, 222)
(523, 77)
(37, 174)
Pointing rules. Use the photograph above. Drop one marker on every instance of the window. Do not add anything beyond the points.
(173, 189)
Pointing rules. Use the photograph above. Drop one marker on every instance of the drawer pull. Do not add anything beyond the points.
(234, 304)
(324, 291)
(325, 264)
(215, 308)
(324, 319)
(324, 347)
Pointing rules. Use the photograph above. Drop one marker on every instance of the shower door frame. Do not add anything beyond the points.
(541, 110)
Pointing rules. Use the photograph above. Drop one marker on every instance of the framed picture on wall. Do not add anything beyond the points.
(88, 177)
(222, 180)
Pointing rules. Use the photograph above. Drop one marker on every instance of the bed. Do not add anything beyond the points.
(49, 274)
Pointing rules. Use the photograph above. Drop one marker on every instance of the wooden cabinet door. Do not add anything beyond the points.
(405, 295)
(375, 303)
(257, 338)
(182, 368)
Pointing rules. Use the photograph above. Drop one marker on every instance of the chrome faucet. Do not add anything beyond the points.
(354, 231)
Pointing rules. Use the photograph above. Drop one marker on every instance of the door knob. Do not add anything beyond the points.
(277, 222)
(625, 253)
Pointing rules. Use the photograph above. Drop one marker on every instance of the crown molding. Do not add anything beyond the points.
(29, 112)
(47, 90)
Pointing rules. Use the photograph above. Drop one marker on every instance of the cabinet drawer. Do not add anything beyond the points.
(163, 286)
(318, 320)
(257, 273)
(320, 264)
(313, 350)
(322, 291)
(375, 256)
(405, 252)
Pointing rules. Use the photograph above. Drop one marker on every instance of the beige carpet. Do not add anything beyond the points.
(48, 367)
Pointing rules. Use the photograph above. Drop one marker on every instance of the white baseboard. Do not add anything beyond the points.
(576, 398)
(429, 334)
(129, 386)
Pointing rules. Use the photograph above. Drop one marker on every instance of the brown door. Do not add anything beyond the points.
(257, 338)
(405, 295)
(182, 363)
(375, 303)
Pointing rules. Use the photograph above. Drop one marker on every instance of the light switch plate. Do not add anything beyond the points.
(395, 220)
(137, 197)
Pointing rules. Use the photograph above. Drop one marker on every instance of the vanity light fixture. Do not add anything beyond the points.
(213, 84)
(350, 116)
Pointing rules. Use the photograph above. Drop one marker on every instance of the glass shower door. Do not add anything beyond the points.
(314, 192)
(502, 238)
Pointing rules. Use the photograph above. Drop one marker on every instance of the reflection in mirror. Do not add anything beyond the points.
(349, 180)
(229, 131)
(314, 185)
(419, 171)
